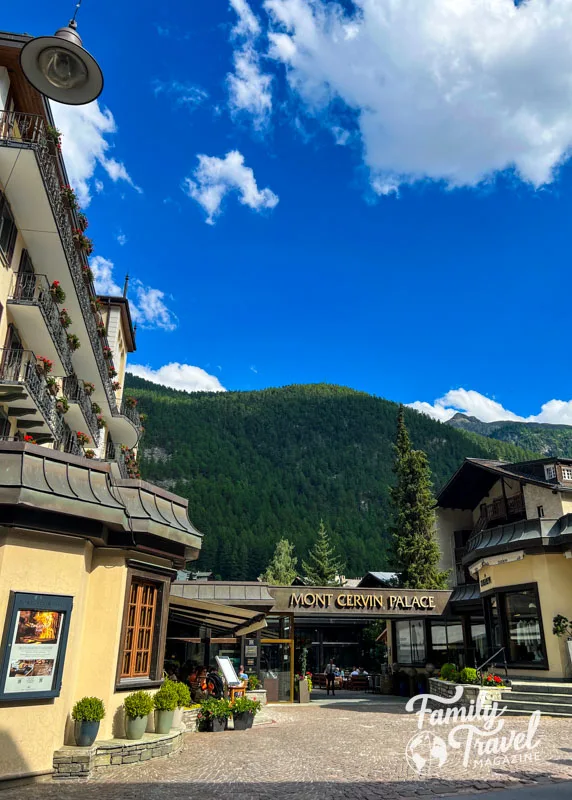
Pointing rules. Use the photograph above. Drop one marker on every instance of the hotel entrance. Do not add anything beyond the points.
(277, 658)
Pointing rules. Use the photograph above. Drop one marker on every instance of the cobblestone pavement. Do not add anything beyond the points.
(341, 750)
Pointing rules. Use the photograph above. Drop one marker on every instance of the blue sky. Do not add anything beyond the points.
(394, 214)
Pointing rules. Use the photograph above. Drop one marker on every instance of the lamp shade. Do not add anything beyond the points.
(61, 69)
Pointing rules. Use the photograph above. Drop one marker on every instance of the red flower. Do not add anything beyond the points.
(56, 283)
(28, 438)
(497, 679)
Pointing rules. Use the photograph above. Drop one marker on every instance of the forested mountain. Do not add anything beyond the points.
(260, 466)
(542, 437)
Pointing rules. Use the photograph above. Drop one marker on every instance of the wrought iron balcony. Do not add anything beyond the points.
(114, 453)
(23, 388)
(130, 411)
(29, 131)
(68, 442)
(75, 393)
(31, 290)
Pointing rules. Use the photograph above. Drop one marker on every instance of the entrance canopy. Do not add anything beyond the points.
(231, 620)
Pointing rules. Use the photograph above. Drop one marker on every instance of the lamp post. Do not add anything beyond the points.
(60, 68)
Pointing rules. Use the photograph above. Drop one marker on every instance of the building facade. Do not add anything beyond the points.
(88, 551)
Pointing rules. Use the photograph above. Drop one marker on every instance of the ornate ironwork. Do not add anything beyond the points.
(20, 366)
(32, 289)
(69, 442)
(131, 413)
(75, 393)
(29, 130)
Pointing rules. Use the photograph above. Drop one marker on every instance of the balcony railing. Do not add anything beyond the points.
(75, 393)
(32, 289)
(29, 130)
(20, 367)
(500, 510)
(114, 453)
(131, 412)
(68, 441)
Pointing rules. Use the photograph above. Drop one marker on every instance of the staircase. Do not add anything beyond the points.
(554, 699)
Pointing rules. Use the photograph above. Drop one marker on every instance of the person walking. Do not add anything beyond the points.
(330, 672)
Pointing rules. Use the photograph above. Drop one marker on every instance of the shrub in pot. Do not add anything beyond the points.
(165, 702)
(253, 683)
(243, 712)
(137, 707)
(183, 700)
(213, 715)
(87, 713)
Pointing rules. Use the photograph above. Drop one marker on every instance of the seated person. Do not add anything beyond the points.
(362, 671)
(355, 672)
(242, 674)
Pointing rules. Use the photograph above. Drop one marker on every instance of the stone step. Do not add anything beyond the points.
(539, 687)
(538, 697)
(527, 707)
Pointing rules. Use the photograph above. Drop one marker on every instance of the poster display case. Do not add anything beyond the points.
(34, 646)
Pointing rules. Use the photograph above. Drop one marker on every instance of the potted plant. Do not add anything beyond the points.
(111, 371)
(54, 137)
(243, 712)
(87, 274)
(70, 197)
(253, 683)
(116, 386)
(183, 700)
(96, 408)
(107, 353)
(100, 422)
(137, 707)
(83, 223)
(82, 438)
(95, 303)
(57, 293)
(73, 341)
(89, 453)
(52, 386)
(89, 388)
(83, 242)
(213, 715)
(131, 401)
(43, 365)
(65, 319)
(62, 405)
(165, 702)
(29, 439)
(87, 713)
(100, 325)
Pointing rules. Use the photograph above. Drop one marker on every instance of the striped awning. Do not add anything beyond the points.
(230, 619)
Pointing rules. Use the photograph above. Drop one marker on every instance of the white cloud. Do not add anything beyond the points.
(214, 178)
(186, 95)
(102, 269)
(248, 87)
(179, 376)
(341, 135)
(446, 90)
(85, 143)
(253, 369)
(121, 238)
(148, 309)
(475, 404)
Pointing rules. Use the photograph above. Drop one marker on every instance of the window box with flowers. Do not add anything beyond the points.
(89, 453)
(62, 405)
(52, 386)
(82, 438)
(89, 388)
(107, 352)
(96, 304)
(101, 423)
(65, 319)
(111, 371)
(83, 222)
(100, 325)
(96, 408)
(70, 198)
(131, 401)
(73, 341)
(83, 242)
(28, 439)
(57, 293)
(43, 365)
(87, 274)
(116, 386)
(54, 137)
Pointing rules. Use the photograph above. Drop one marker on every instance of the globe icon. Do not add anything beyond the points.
(425, 752)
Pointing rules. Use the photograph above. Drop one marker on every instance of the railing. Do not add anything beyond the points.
(68, 441)
(75, 393)
(29, 129)
(492, 659)
(131, 412)
(115, 453)
(20, 366)
(30, 288)
(500, 510)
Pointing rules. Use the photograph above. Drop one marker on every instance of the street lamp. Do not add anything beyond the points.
(60, 68)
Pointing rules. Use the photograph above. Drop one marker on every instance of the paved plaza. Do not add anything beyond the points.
(351, 748)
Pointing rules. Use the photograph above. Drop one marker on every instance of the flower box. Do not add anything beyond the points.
(471, 692)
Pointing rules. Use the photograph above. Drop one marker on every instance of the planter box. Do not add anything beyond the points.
(190, 719)
(258, 694)
(303, 694)
(487, 695)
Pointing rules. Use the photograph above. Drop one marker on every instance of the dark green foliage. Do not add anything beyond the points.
(541, 437)
(88, 709)
(323, 566)
(262, 466)
(414, 541)
(167, 698)
(282, 569)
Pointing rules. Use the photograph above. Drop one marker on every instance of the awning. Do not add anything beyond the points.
(230, 619)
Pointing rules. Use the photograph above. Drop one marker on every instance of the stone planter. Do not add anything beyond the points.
(303, 692)
(178, 718)
(189, 721)
(486, 695)
(258, 694)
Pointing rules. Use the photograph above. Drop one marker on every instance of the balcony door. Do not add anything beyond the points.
(12, 356)
(26, 281)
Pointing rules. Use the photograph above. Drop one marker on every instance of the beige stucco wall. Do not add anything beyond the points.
(535, 496)
(553, 575)
(511, 488)
(448, 521)
(96, 579)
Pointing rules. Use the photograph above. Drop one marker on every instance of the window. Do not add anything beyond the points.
(567, 473)
(522, 614)
(539, 511)
(410, 641)
(137, 654)
(7, 229)
(550, 471)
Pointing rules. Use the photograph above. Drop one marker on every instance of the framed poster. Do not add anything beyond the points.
(34, 646)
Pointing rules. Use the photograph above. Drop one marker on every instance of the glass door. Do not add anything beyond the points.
(276, 670)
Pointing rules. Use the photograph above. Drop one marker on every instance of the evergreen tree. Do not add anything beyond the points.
(415, 547)
(281, 570)
(324, 566)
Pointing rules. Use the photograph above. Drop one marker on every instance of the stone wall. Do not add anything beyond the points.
(471, 692)
(80, 762)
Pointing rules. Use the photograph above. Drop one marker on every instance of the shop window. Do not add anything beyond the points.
(524, 634)
(479, 641)
(410, 641)
(446, 640)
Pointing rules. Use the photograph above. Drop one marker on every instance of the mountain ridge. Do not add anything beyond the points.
(545, 438)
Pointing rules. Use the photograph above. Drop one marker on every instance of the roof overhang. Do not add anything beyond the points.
(231, 619)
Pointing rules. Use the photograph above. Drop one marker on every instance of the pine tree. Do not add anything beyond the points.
(324, 566)
(415, 547)
(281, 570)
